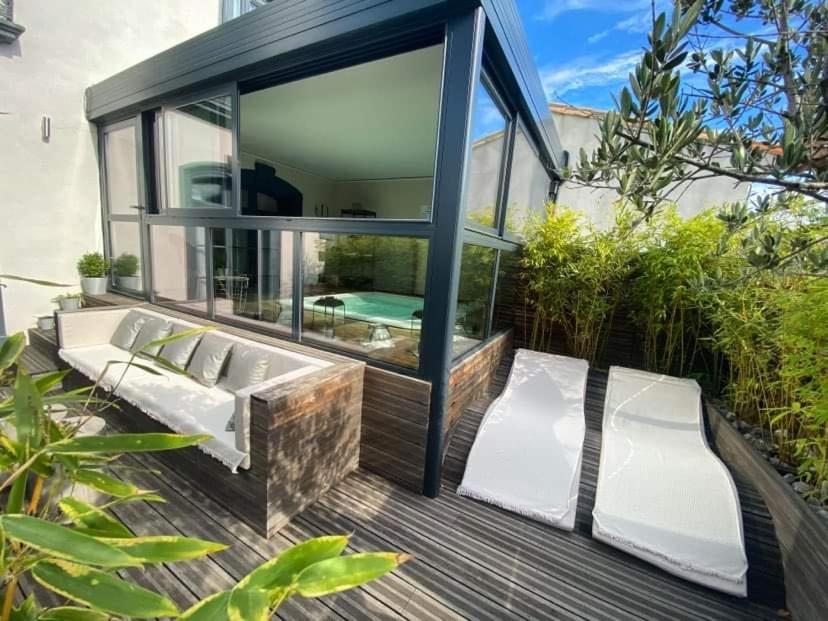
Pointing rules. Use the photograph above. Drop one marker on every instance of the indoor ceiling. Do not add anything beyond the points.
(377, 120)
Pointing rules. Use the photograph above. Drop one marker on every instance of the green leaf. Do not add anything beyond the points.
(27, 611)
(28, 408)
(72, 613)
(101, 591)
(178, 336)
(34, 281)
(127, 443)
(46, 382)
(17, 494)
(166, 549)
(63, 542)
(11, 349)
(105, 483)
(282, 571)
(132, 363)
(248, 605)
(346, 572)
(92, 518)
(213, 608)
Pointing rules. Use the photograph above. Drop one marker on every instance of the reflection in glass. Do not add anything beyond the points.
(506, 293)
(253, 276)
(125, 241)
(199, 149)
(473, 297)
(528, 186)
(364, 293)
(488, 139)
(179, 266)
(121, 170)
(359, 142)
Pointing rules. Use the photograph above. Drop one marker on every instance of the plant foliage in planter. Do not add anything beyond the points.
(126, 265)
(93, 265)
(74, 548)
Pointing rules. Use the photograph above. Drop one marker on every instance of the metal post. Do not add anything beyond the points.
(463, 56)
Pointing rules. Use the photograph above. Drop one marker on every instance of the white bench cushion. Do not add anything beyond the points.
(173, 400)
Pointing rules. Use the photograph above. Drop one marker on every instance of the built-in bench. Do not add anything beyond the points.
(285, 425)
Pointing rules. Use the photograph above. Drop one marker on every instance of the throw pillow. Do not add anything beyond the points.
(153, 329)
(127, 331)
(209, 358)
(248, 366)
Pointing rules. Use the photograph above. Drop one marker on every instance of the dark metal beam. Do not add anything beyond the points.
(464, 51)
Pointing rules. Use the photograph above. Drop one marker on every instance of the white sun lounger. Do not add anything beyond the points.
(527, 454)
(663, 495)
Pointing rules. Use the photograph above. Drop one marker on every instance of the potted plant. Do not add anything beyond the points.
(46, 322)
(126, 271)
(69, 301)
(93, 269)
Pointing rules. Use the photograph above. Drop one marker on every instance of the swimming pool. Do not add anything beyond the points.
(376, 307)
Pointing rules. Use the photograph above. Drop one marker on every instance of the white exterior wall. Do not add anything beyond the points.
(50, 206)
(577, 131)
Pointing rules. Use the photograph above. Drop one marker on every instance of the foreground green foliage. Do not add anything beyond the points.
(701, 307)
(59, 526)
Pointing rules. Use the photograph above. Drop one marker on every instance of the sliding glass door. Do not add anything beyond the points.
(123, 206)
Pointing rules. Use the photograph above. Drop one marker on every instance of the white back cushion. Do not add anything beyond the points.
(127, 331)
(154, 328)
(179, 352)
(209, 358)
(248, 366)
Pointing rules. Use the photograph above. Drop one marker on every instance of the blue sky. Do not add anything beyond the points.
(585, 49)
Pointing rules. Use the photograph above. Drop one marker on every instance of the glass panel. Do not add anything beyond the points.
(179, 266)
(199, 150)
(506, 294)
(121, 170)
(488, 135)
(253, 277)
(364, 293)
(528, 186)
(473, 297)
(125, 242)
(359, 142)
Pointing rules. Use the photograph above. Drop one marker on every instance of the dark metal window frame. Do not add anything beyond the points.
(135, 122)
(161, 152)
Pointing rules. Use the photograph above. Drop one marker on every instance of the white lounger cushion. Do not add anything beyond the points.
(173, 400)
(662, 494)
(527, 454)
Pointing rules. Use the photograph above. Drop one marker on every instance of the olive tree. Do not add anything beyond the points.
(733, 88)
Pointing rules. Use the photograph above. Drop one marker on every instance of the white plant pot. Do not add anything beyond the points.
(69, 304)
(46, 322)
(94, 286)
(130, 283)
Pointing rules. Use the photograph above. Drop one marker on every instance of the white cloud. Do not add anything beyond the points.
(639, 22)
(588, 71)
(553, 8)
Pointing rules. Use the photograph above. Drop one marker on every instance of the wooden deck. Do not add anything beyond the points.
(471, 560)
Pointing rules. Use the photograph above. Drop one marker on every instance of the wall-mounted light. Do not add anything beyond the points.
(46, 128)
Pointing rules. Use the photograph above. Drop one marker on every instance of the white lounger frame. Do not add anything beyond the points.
(662, 494)
(528, 451)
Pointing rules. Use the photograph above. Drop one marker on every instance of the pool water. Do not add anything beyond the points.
(376, 307)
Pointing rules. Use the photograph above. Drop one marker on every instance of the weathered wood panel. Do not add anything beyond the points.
(802, 535)
(470, 378)
(394, 424)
